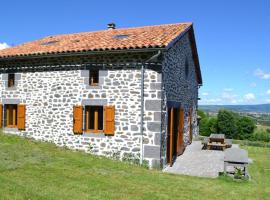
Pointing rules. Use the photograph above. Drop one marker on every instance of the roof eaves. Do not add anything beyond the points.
(78, 53)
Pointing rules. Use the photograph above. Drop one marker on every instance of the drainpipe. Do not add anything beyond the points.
(153, 58)
(142, 111)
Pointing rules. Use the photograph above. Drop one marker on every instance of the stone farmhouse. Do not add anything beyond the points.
(128, 93)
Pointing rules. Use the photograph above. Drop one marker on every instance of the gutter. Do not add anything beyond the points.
(81, 53)
(154, 58)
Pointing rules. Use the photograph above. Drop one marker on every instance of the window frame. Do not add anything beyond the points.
(93, 75)
(11, 80)
(87, 110)
(14, 113)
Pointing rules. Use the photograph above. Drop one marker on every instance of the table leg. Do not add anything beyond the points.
(225, 168)
(245, 171)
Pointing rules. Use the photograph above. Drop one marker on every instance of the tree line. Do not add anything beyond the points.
(232, 125)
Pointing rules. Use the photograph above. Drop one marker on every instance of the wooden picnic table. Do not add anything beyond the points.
(217, 138)
(216, 141)
(237, 158)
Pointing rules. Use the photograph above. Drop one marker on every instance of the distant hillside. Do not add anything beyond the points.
(262, 108)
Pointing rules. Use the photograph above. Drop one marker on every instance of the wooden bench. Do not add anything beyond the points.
(205, 142)
(237, 158)
(228, 143)
(211, 145)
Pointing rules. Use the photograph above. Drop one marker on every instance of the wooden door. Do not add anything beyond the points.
(180, 138)
(173, 118)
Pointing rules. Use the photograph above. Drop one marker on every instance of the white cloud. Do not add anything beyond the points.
(205, 94)
(268, 92)
(267, 100)
(261, 74)
(250, 97)
(3, 45)
(228, 97)
(211, 101)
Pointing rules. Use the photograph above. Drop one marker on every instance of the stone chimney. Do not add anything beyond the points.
(111, 26)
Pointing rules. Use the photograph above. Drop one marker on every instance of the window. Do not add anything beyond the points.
(49, 42)
(94, 119)
(98, 119)
(11, 115)
(120, 37)
(93, 77)
(11, 80)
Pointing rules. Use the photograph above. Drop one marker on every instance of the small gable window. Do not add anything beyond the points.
(186, 68)
(93, 77)
(11, 80)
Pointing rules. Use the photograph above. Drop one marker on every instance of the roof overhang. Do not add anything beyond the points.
(80, 53)
(195, 55)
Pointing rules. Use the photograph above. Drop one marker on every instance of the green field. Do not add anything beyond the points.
(35, 170)
(263, 127)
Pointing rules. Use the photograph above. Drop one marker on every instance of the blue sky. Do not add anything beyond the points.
(233, 37)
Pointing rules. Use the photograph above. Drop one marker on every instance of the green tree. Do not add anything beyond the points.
(208, 126)
(203, 127)
(212, 125)
(227, 123)
(246, 127)
(202, 114)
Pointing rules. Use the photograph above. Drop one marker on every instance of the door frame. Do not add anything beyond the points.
(173, 113)
(180, 136)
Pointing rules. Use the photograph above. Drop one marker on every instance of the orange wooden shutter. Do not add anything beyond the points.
(180, 139)
(78, 119)
(109, 120)
(21, 117)
(190, 125)
(1, 112)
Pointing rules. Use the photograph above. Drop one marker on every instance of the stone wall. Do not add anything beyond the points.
(180, 87)
(50, 96)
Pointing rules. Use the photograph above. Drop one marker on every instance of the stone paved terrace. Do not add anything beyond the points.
(198, 162)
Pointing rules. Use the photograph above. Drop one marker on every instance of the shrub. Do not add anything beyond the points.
(261, 135)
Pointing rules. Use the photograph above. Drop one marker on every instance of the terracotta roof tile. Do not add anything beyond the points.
(113, 39)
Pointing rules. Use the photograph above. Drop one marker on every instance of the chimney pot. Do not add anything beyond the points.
(111, 26)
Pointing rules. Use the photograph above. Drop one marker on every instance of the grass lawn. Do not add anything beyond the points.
(35, 170)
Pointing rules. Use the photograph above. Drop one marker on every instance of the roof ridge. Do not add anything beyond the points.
(122, 28)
